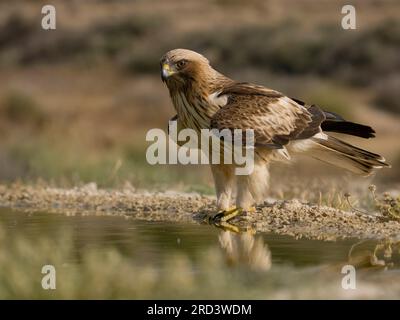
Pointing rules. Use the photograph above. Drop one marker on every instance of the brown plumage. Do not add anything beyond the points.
(204, 98)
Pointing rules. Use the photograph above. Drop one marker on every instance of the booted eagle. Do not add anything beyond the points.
(206, 99)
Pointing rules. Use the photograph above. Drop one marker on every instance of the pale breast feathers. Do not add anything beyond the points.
(275, 119)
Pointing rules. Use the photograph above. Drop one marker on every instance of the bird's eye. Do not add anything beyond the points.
(180, 64)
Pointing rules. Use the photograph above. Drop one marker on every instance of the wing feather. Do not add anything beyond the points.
(275, 119)
(336, 123)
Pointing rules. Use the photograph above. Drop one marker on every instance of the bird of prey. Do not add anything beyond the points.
(206, 99)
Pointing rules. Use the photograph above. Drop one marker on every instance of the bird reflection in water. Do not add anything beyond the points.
(245, 249)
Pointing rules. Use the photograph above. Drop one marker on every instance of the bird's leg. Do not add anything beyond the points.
(224, 178)
(244, 202)
(220, 220)
(244, 198)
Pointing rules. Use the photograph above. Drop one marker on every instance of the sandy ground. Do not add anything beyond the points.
(292, 217)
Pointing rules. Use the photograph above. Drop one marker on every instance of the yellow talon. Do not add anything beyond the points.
(227, 215)
(229, 227)
(231, 214)
(222, 220)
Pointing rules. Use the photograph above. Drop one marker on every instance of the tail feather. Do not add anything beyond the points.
(347, 156)
(348, 127)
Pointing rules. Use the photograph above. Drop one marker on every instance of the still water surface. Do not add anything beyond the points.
(155, 243)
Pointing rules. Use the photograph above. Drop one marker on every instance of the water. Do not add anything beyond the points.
(153, 241)
(285, 267)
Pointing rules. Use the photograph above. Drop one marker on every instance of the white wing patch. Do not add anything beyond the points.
(321, 135)
(216, 100)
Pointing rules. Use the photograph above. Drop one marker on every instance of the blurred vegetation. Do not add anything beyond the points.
(75, 103)
(89, 271)
(360, 58)
(19, 109)
(68, 166)
(388, 93)
(387, 204)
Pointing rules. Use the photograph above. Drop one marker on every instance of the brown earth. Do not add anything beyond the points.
(295, 218)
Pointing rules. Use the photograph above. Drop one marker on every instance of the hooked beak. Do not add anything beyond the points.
(166, 71)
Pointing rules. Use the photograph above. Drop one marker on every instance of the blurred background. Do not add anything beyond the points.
(76, 102)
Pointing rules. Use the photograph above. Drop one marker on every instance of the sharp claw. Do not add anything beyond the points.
(231, 214)
(218, 216)
(215, 218)
(224, 216)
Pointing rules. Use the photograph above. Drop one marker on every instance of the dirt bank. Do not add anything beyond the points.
(282, 217)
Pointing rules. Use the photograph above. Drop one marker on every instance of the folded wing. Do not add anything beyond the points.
(275, 118)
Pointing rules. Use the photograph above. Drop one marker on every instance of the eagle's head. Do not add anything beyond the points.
(193, 86)
(181, 66)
